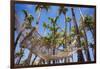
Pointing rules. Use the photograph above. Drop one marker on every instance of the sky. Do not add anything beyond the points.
(44, 18)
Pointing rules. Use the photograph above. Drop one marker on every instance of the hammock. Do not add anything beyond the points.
(37, 45)
(59, 55)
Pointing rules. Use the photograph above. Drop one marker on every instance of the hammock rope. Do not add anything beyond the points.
(41, 51)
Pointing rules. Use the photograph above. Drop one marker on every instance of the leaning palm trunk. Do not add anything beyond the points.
(70, 38)
(37, 23)
(34, 59)
(22, 42)
(65, 45)
(80, 54)
(85, 37)
(86, 47)
(20, 32)
(17, 40)
(54, 45)
(38, 19)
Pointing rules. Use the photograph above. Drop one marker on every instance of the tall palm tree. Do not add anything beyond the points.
(26, 25)
(90, 26)
(68, 20)
(27, 62)
(39, 9)
(63, 10)
(85, 36)
(53, 29)
(80, 54)
(72, 36)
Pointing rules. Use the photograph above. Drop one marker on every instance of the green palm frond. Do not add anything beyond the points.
(88, 22)
(56, 18)
(37, 8)
(30, 18)
(45, 7)
(62, 10)
(68, 19)
(25, 12)
(45, 25)
(51, 19)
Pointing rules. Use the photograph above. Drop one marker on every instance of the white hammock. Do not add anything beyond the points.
(46, 56)
(59, 55)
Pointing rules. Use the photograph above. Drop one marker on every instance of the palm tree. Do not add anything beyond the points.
(34, 59)
(27, 62)
(68, 20)
(80, 55)
(85, 36)
(54, 29)
(72, 35)
(39, 9)
(63, 10)
(45, 26)
(89, 24)
(26, 25)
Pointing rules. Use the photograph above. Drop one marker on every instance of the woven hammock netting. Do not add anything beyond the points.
(34, 43)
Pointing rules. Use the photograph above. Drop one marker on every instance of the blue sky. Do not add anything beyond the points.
(51, 13)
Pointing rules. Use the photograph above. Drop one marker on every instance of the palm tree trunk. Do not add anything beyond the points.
(34, 59)
(70, 38)
(87, 49)
(38, 19)
(20, 33)
(65, 45)
(94, 38)
(53, 54)
(80, 54)
(54, 32)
